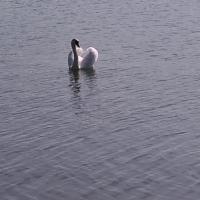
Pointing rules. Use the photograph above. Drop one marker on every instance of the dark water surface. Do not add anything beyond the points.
(130, 130)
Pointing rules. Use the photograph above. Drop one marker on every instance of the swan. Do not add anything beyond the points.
(80, 59)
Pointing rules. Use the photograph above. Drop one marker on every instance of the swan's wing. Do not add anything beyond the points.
(70, 59)
(89, 58)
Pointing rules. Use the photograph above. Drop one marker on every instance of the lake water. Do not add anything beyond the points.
(128, 130)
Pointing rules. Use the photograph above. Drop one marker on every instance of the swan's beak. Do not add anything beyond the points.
(77, 43)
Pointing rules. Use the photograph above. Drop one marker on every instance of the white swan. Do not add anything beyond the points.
(78, 59)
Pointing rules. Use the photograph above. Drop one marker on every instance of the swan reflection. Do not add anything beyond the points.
(81, 78)
(74, 81)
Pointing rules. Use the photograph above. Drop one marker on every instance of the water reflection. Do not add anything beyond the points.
(78, 81)
(74, 81)
(76, 77)
(89, 77)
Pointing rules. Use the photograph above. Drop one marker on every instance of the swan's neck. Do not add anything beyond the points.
(75, 63)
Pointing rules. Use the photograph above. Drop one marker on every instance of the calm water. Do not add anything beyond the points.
(127, 131)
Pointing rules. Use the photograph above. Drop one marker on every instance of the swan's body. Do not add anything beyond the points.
(80, 59)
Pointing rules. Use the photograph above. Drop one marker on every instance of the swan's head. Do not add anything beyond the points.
(75, 42)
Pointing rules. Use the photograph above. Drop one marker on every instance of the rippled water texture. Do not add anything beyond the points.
(128, 130)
